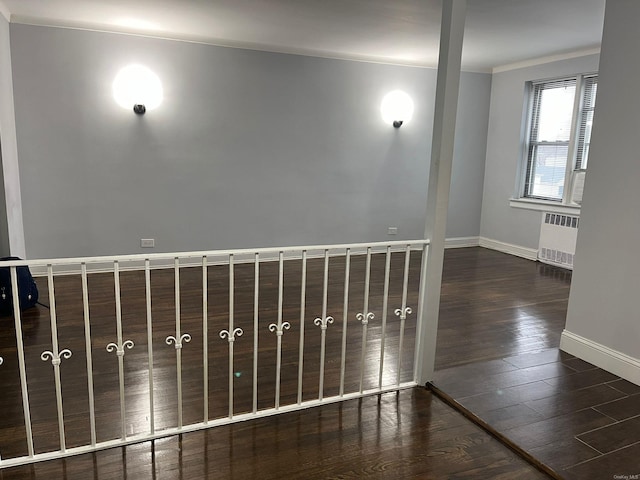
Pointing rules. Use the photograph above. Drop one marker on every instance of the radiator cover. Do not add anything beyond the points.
(558, 234)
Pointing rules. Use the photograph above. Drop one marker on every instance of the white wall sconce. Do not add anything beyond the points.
(396, 108)
(138, 87)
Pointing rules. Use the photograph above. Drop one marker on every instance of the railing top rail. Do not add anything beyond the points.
(208, 253)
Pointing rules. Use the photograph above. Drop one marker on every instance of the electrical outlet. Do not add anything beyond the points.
(392, 231)
(147, 242)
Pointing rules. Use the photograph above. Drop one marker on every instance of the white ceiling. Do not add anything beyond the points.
(497, 33)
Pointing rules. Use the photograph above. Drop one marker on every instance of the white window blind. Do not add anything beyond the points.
(559, 135)
(590, 88)
(549, 138)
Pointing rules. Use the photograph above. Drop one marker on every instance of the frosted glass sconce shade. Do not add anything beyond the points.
(137, 87)
(396, 108)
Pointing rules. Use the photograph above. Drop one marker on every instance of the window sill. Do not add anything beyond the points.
(544, 206)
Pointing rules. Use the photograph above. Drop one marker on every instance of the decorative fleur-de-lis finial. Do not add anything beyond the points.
(403, 312)
(279, 331)
(231, 336)
(365, 318)
(55, 359)
(323, 323)
(119, 349)
(186, 338)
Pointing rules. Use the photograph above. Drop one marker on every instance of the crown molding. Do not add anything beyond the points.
(218, 42)
(548, 59)
(4, 11)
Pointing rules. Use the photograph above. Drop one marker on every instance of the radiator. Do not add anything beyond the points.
(558, 235)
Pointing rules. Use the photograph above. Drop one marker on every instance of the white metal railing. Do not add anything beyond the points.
(362, 381)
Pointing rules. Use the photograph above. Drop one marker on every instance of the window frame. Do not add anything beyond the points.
(577, 119)
(581, 162)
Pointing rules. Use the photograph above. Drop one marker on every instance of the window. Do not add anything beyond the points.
(560, 119)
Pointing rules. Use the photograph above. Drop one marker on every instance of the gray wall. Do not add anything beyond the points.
(504, 151)
(7, 129)
(603, 304)
(467, 174)
(248, 149)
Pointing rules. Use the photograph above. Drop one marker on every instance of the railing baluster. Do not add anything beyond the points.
(404, 310)
(119, 349)
(364, 317)
(205, 338)
(231, 334)
(54, 355)
(345, 307)
(87, 340)
(147, 290)
(1, 362)
(279, 329)
(323, 323)
(303, 290)
(256, 295)
(178, 339)
(385, 303)
(231, 331)
(21, 364)
(116, 276)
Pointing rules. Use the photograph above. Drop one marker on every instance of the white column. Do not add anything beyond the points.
(9, 148)
(446, 103)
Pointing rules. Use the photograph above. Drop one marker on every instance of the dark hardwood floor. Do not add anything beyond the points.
(403, 435)
(500, 325)
(495, 305)
(410, 434)
(75, 391)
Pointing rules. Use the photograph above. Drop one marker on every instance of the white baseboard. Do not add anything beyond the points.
(601, 356)
(517, 250)
(461, 242)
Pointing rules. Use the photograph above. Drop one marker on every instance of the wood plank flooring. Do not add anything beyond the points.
(495, 305)
(391, 436)
(404, 435)
(501, 318)
(75, 390)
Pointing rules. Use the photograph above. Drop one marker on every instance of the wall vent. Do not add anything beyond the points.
(558, 235)
(570, 221)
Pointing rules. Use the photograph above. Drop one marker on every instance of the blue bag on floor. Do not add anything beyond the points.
(27, 288)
